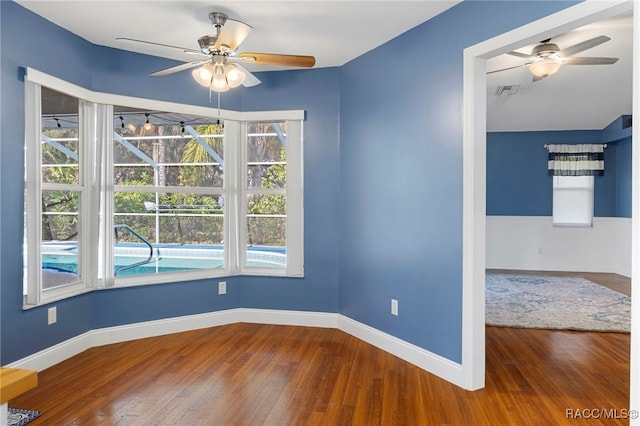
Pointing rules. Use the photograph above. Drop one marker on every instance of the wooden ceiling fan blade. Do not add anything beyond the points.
(179, 68)
(184, 49)
(509, 68)
(583, 45)
(277, 59)
(590, 61)
(232, 35)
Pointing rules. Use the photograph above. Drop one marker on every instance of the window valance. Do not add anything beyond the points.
(576, 160)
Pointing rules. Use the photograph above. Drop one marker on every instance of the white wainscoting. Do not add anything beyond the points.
(533, 243)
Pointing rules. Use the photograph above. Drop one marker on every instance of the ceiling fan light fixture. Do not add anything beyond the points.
(219, 81)
(234, 76)
(218, 75)
(545, 67)
(203, 75)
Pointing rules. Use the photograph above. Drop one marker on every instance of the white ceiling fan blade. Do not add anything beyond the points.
(184, 49)
(519, 55)
(539, 77)
(589, 61)
(584, 45)
(509, 68)
(250, 80)
(178, 68)
(232, 34)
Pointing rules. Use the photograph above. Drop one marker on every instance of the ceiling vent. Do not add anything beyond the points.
(507, 90)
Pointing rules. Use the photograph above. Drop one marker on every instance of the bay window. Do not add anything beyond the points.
(165, 192)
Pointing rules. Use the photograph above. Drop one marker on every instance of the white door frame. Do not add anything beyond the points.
(474, 179)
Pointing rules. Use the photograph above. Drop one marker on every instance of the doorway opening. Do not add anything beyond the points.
(474, 179)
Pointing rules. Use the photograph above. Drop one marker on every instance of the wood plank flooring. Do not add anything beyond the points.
(252, 374)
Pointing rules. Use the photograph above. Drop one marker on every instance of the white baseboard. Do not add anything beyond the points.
(299, 318)
(420, 357)
(54, 354)
(428, 361)
(105, 336)
(141, 330)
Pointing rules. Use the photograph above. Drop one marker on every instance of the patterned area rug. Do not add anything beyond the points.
(565, 303)
(19, 417)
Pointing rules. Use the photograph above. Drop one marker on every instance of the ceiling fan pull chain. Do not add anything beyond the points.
(218, 104)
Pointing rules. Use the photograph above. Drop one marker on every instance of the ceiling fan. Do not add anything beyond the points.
(547, 58)
(221, 69)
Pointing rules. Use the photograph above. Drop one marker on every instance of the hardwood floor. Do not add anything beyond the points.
(253, 374)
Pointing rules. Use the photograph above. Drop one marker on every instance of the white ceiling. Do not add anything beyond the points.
(577, 97)
(335, 32)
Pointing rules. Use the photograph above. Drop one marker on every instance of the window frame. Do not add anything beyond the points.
(294, 205)
(141, 279)
(34, 187)
(97, 201)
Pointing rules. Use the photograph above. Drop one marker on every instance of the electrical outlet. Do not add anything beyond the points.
(52, 315)
(222, 287)
(394, 307)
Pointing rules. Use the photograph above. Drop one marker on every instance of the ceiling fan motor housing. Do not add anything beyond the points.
(544, 50)
(207, 43)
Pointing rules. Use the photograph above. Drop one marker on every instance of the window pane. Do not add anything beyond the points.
(266, 231)
(167, 232)
(185, 232)
(60, 224)
(60, 163)
(168, 150)
(573, 200)
(59, 138)
(266, 155)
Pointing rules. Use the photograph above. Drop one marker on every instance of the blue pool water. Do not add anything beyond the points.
(166, 259)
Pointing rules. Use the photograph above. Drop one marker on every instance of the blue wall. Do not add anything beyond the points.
(518, 183)
(623, 178)
(401, 174)
(383, 179)
(23, 333)
(114, 71)
(619, 133)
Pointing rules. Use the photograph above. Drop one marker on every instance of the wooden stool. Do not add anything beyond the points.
(14, 382)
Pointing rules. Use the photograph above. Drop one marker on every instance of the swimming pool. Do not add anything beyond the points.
(131, 259)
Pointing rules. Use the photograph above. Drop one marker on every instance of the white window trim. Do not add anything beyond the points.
(101, 124)
(35, 294)
(295, 204)
(33, 186)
